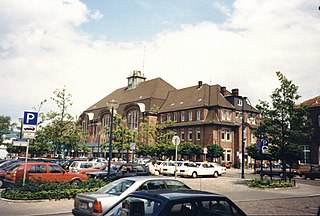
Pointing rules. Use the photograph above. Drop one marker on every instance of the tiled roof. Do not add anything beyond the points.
(155, 88)
(193, 97)
(314, 102)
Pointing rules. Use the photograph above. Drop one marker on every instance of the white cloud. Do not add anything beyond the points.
(42, 50)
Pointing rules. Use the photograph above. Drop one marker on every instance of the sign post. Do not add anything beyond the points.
(176, 142)
(132, 148)
(205, 152)
(29, 128)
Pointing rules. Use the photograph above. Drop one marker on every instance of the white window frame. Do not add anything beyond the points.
(168, 117)
(226, 135)
(182, 135)
(175, 117)
(198, 135)
(133, 119)
(190, 116)
(190, 134)
(182, 116)
(198, 115)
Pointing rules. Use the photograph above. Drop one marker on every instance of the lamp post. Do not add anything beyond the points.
(243, 138)
(113, 105)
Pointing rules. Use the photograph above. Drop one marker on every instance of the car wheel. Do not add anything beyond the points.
(76, 182)
(215, 174)
(303, 176)
(194, 175)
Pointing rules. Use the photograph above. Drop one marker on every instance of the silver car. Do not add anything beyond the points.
(99, 202)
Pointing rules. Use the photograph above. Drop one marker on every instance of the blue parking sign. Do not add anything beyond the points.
(30, 118)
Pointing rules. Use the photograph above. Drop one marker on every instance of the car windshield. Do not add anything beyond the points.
(116, 187)
(14, 167)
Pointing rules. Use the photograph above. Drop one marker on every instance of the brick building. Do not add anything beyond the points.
(202, 114)
(312, 151)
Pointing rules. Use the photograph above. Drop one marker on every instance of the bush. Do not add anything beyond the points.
(50, 190)
(267, 183)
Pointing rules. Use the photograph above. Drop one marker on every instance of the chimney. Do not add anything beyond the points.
(223, 90)
(199, 84)
(235, 92)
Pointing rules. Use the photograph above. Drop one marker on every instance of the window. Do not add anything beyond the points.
(319, 120)
(182, 116)
(238, 116)
(190, 115)
(38, 169)
(198, 115)
(55, 169)
(190, 134)
(168, 117)
(225, 135)
(306, 154)
(133, 119)
(226, 115)
(106, 121)
(85, 125)
(239, 102)
(226, 155)
(182, 135)
(175, 117)
(198, 134)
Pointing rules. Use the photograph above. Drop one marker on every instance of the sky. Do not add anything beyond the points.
(89, 47)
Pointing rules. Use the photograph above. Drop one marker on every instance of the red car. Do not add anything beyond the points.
(40, 171)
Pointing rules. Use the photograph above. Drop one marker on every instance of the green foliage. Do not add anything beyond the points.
(284, 124)
(189, 149)
(50, 190)
(5, 126)
(57, 129)
(215, 151)
(267, 183)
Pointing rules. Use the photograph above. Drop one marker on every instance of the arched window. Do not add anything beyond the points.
(133, 119)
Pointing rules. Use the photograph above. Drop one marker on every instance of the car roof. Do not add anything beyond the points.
(171, 194)
(146, 178)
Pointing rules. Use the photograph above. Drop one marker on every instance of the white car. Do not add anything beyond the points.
(221, 169)
(77, 166)
(168, 167)
(198, 169)
(99, 202)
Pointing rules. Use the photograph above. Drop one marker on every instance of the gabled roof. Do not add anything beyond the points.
(313, 102)
(156, 88)
(194, 97)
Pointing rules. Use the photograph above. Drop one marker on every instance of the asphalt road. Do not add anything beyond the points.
(301, 200)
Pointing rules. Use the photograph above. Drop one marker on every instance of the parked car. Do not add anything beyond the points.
(41, 171)
(96, 168)
(121, 170)
(77, 166)
(276, 170)
(199, 169)
(168, 167)
(99, 202)
(221, 169)
(313, 173)
(174, 203)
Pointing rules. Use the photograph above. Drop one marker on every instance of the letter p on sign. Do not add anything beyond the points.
(30, 118)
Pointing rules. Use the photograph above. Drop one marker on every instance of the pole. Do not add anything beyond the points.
(25, 165)
(175, 167)
(243, 139)
(110, 144)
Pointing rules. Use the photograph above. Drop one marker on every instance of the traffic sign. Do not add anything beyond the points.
(30, 118)
(28, 135)
(132, 146)
(20, 143)
(265, 147)
(176, 140)
(205, 150)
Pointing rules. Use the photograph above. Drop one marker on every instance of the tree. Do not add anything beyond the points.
(189, 149)
(5, 126)
(58, 129)
(214, 151)
(283, 123)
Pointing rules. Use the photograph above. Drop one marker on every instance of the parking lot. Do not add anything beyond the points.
(301, 200)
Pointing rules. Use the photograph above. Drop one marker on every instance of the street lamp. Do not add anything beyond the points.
(113, 105)
(243, 138)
